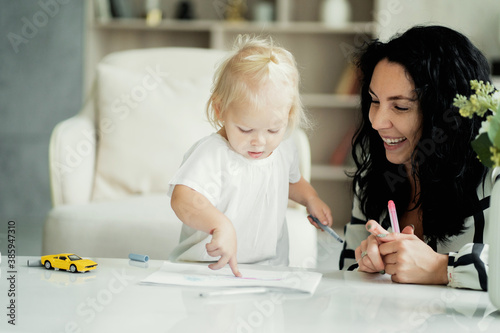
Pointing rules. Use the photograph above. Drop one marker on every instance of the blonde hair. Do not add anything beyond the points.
(253, 62)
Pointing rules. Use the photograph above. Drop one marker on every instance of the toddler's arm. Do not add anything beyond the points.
(303, 193)
(196, 211)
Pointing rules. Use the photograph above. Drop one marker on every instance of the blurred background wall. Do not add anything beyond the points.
(41, 50)
(479, 20)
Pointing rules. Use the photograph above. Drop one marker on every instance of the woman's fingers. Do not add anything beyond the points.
(409, 230)
(368, 256)
(383, 236)
(373, 254)
(375, 229)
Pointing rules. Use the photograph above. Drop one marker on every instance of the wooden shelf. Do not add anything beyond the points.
(296, 27)
(330, 172)
(140, 24)
(235, 27)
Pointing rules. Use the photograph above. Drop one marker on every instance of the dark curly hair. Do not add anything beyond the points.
(441, 63)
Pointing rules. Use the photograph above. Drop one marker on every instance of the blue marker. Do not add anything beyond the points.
(138, 257)
(327, 229)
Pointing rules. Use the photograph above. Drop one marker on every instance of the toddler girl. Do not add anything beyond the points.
(232, 189)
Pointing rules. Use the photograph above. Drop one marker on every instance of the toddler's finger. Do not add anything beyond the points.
(328, 218)
(214, 253)
(219, 264)
(211, 246)
(234, 267)
(315, 221)
(325, 218)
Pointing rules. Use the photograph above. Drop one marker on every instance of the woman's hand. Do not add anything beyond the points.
(404, 256)
(224, 244)
(409, 260)
(368, 255)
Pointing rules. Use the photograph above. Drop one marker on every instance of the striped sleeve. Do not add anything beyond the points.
(354, 233)
(468, 268)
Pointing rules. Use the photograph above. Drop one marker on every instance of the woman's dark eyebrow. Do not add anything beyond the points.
(394, 98)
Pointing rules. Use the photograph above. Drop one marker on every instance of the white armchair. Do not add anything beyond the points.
(111, 163)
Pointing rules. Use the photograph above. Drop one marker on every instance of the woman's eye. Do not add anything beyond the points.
(399, 108)
(375, 102)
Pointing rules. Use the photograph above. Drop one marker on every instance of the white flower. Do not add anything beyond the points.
(485, 126)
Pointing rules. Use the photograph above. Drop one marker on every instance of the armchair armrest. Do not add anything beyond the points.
(302, 235)
(302, 143)
(72, 154)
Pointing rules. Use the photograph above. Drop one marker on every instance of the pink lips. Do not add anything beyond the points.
(255, 155)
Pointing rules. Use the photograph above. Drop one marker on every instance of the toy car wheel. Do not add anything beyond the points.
(72, 268)
(47, 264)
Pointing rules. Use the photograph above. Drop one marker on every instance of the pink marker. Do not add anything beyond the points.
(393, 216)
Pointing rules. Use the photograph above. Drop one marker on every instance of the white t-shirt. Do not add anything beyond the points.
(253, 194)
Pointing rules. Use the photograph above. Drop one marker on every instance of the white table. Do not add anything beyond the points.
(109, 299)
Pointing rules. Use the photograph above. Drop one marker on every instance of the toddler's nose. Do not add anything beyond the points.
(258, 140)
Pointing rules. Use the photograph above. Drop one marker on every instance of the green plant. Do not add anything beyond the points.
(485, 103)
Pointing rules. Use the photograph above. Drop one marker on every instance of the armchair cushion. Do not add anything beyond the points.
(142, 128)
(136, 224)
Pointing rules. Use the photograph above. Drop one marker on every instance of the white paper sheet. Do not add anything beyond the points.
(199, 275)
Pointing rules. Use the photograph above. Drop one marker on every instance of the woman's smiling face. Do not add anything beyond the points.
(395, 112)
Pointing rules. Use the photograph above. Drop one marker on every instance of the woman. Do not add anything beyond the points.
(413, 147)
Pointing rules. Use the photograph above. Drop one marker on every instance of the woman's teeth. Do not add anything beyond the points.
(393, 141)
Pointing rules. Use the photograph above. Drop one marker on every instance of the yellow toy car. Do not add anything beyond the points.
(68, 261)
